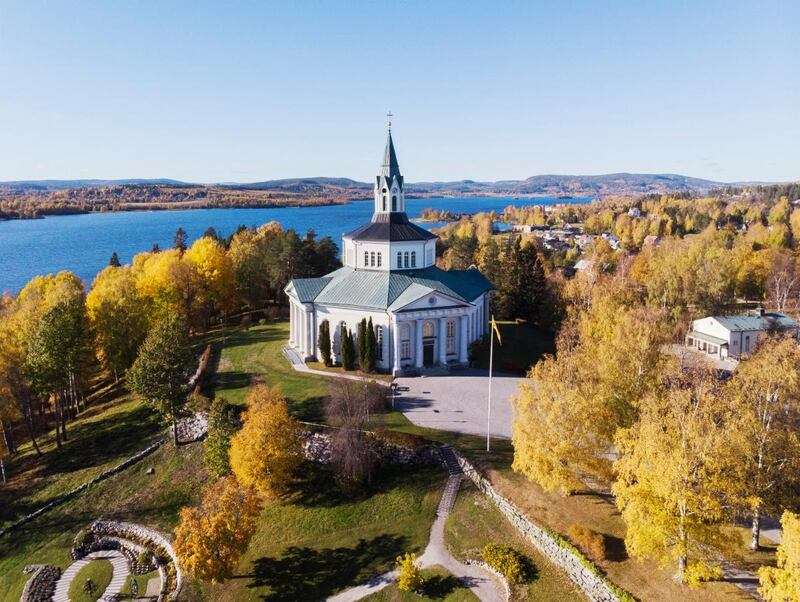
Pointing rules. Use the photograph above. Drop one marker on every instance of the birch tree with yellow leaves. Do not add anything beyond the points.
(210, 538)
(675, 471)
(782, 583)
(266, 452)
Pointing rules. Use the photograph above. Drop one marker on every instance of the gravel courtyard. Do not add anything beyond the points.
(457, 401)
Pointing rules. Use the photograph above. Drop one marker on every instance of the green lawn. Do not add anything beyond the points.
(99, 572)
(254, 355)
(520, 348)
(141, 581)
(320, 541)
(474, 522)
(439, 585)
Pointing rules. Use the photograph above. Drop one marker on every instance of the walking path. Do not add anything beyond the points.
(119, 574)
(300, 366)
(479, 581)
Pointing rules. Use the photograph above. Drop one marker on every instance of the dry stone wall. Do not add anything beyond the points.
(594, 586)
(42, 584)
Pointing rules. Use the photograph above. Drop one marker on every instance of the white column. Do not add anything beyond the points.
(395, 346)
(462, 339)
(291, 323)
(418, 344)
(443, 341)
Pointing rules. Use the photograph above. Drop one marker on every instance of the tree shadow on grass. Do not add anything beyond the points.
(615, 549)
(438, 587)
(309, 574)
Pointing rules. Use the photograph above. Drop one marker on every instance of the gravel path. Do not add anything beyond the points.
(479, 581)
(120, 573)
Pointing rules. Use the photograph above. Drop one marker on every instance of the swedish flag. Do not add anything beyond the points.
(496, 330)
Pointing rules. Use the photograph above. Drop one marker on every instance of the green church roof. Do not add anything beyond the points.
(372, 289)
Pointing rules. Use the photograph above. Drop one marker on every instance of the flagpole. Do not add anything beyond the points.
(489, 400)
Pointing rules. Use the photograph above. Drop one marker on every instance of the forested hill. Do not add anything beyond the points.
(24, 199)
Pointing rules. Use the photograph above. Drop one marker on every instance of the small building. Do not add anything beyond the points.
(651, 240)
(634, 212)
(735, 336)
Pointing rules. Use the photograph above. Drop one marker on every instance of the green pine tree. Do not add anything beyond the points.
(324, 342)
(528, 291)
(372, 346)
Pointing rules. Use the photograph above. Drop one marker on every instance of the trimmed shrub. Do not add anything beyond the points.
(592, 543)
(506, 560)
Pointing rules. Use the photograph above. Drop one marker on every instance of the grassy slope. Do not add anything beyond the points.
(100, 572)
(439, 585)
(475, 521)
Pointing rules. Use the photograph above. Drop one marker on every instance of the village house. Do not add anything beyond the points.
(735, 336)
(423, 316)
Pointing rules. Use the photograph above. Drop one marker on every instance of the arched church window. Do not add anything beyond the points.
(451, 336)
(380, 256)
(405, 342)
(427, 329)
(413, 259)
(394, 203)
(405, 259)
(379, 340)
(384, 202)
(399, 259)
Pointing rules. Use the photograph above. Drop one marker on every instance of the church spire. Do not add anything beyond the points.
(389, 195)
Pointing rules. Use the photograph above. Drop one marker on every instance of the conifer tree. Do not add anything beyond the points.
(180, 239)
(114, 261)
(220, 430)
(324, 342)
(362, 343)
(372, 344)
(348, 350)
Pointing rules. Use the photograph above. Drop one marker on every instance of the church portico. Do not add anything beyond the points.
(423, 316)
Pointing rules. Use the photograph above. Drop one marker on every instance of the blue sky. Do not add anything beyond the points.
(248, 91)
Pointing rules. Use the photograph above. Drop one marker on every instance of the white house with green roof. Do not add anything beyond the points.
(423, 316)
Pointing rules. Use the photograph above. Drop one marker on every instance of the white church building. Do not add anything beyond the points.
(423, 316)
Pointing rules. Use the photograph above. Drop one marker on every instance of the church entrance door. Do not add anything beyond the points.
(427, 353)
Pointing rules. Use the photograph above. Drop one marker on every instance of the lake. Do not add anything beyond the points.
(84, 243)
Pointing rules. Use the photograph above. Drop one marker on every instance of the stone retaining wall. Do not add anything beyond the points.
(317, 448)
(591, 584)
(42, 584)
(80, 488)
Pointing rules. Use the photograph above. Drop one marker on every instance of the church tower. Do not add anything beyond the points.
(389, 196)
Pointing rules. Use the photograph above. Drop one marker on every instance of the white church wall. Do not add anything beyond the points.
(352, 317)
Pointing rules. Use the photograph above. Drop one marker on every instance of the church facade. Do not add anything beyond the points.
(423, 316)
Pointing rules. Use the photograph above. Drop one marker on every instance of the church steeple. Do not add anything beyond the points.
(389, 196)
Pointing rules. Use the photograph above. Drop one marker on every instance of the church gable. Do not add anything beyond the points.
(419, 297)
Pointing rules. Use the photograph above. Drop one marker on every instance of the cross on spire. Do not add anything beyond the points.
(389, 120)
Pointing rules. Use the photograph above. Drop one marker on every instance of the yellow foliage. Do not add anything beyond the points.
(166, 281)
(214, 272)
(266, 452)
(782, 583)
(210, 538)
(409, 577)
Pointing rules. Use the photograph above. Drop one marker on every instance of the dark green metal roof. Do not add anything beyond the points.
(390, 169)
(374, 289)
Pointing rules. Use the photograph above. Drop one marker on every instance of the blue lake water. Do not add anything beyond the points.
(84, 243)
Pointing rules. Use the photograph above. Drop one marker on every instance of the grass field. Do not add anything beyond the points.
(474, 522)
(99, 572)
(438, 584)
(520, 348)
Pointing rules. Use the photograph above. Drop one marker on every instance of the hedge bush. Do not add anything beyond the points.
(507, 561)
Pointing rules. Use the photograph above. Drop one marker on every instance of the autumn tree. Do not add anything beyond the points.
(118, 318)
(266, 452)
(674, 470)
(782, 583)
(213, 278)
(249, 271)
(409, 576)
(764, 394)
(570, 407)
(221, 427)
(324, 342)
(210, 538)
(161, 372)
(166, 283)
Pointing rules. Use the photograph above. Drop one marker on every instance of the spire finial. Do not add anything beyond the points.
(389, 120)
